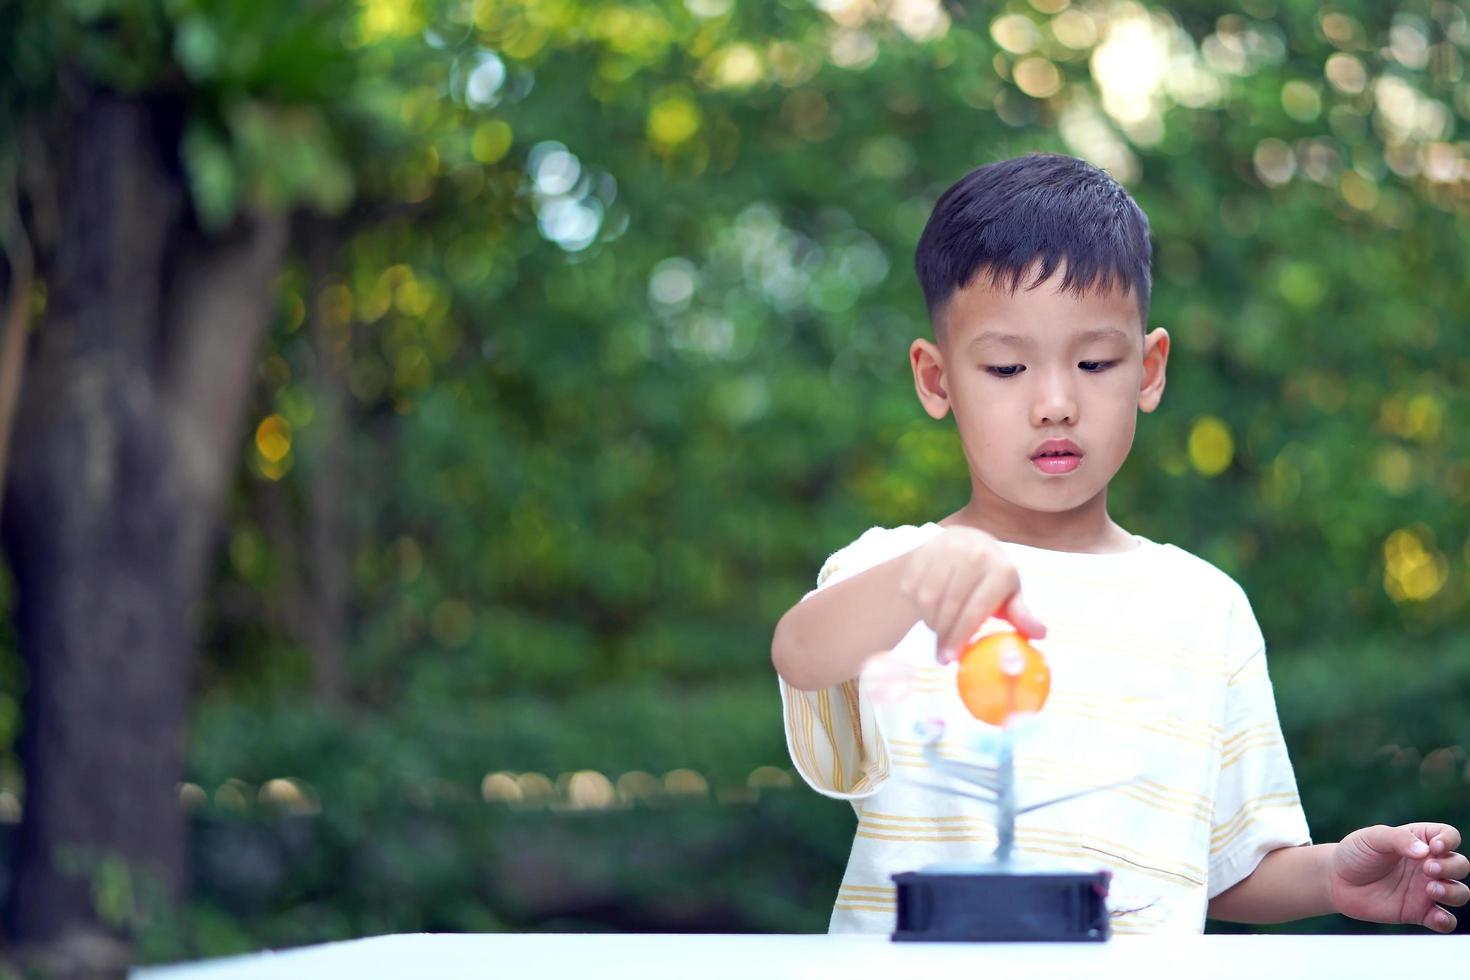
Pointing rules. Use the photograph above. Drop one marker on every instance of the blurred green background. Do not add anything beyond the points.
(589, 346)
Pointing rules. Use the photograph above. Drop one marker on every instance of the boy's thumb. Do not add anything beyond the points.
(1410, 844)
(1395, 841)
(1025, 622)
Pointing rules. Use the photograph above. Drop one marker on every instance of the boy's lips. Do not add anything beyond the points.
(1057, 456)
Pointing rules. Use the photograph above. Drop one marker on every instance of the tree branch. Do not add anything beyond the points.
(217, 313)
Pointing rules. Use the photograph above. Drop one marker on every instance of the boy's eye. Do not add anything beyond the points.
(1095, 365)
(1006, 370)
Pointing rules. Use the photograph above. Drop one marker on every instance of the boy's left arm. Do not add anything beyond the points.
(1379, 874)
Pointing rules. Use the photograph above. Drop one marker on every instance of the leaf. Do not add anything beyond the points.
(214, 183)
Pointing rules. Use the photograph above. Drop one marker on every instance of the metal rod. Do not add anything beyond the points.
(989, 781)
(973, 772)
(952, 791)
(1005, 807)
(1073, 796)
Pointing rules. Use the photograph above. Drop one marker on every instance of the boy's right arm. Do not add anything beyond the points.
(953, 582)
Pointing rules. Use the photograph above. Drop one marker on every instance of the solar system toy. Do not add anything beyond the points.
(1011, 897)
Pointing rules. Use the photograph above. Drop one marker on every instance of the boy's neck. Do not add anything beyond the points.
(1087, 529)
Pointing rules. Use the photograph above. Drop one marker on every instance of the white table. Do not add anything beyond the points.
(769, 957)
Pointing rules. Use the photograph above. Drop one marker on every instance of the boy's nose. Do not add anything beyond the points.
(1054, 406)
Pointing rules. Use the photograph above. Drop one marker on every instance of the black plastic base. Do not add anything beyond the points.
(1002, 906)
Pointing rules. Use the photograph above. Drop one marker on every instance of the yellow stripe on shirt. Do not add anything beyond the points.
(854, 714)
(1265, 727)
(824, 705)
(1261, 741)
(1221, 843)
(794, 730)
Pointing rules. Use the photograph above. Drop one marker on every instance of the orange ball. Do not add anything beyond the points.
(1000, 675)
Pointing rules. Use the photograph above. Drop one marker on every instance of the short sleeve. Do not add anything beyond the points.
(833, 735)
(1257, 809)
(875, 546)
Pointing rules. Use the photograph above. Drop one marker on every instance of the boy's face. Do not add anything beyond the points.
(1045, 387)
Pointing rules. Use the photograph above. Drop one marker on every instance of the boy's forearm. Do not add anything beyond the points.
(824, 639)
(1289, 883)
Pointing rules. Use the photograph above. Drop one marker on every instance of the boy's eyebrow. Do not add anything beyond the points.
(1102, 333)
(1016, 340)
(996, 337)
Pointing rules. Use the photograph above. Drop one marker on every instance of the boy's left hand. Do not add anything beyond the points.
(1400, 874)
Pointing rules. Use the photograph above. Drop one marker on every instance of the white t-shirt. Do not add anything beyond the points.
(1158, 677)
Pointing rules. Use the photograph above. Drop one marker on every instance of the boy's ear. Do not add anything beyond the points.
(928, 363)
(1155, 360)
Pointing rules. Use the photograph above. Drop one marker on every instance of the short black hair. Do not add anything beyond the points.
(1005, 217)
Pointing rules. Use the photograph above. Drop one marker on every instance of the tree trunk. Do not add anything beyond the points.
(126, 431)
(16, 281)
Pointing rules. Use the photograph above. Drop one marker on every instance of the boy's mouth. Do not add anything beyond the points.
(1057, 456)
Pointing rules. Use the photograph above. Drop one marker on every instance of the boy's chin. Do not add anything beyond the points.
(1053, 510)
(1067, 501)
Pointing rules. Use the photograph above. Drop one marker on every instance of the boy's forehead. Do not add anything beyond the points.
(982, 305)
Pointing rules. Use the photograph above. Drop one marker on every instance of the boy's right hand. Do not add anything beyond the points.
(958, 580)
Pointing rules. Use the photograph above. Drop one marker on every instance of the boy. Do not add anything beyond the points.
(1036, 273)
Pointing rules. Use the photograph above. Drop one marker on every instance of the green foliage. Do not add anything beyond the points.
(621, 300)
(403, 839)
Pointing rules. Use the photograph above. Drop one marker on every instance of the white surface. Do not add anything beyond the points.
(586, 957)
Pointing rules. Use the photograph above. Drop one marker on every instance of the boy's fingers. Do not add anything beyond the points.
(927, 588)
(947, 611)
(918, 586)
(1451, 866)
(1447, 839)
(1023, 619)
(967, 620)
(1398, 840)
(1455, 893)
(1439, 920)
(914, 573)
(978, 608)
